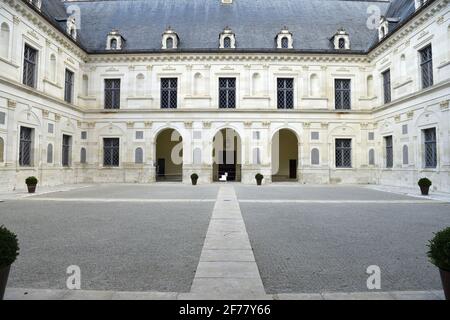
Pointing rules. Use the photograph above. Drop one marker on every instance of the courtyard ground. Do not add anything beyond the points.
(213, 241)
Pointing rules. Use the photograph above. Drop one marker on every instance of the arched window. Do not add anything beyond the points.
(140, 79)
(370, 86)
(52, 69)
(197, 156)
(49, 153)
(405, 154)
(85, 86)
(4, 40)
(83, 155)
(2, 150)
(256, 84)
(169, 43)
(402, 65)
(371, 157)
(139, 156)
(227, 42)
(113, 44)
(341, 43)
(198, 84)
(315, 156)
(314, 85)
(256, 156)
(382, 32)
(284, 43)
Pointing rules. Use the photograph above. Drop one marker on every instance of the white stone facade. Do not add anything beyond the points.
(197, 118)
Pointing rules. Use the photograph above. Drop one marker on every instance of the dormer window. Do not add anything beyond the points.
(36, 3)
(169, 39)
(114, 41)
(227, 39)
(72, 27)
(419, 3)
(383, 29)
(284, 39)
(341, 40)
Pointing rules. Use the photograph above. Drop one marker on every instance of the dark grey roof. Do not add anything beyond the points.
(199, 22)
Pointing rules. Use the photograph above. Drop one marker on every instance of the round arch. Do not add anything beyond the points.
(285, 154)
(227, 154)
(168, 155)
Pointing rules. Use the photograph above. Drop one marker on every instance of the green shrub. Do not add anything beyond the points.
(194, 176)
(9, 247)
(424, 182)
(31, 181)
(439, 253)
(259, 176)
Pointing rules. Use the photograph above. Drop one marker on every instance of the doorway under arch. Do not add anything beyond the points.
(169, 156)
(284, 156)
(227, 155)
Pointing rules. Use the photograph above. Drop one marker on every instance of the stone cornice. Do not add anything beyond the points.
(42, 24)
(234, 57)
(408, 28)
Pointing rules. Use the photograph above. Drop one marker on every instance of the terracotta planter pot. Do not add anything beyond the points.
(4, 273)
(424, 190)
(445, 278)
(31, 189)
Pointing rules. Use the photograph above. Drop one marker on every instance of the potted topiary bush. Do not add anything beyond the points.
(424, 185)
(9, 250)
(439, 255)
(31, 184)
(194, 178)
(259, 177)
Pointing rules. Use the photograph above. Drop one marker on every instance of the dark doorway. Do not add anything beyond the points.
(292, 169)
(161, 168)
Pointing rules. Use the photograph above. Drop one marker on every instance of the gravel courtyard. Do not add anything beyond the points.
(150, 237)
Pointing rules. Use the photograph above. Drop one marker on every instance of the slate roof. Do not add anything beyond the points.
(254, 22)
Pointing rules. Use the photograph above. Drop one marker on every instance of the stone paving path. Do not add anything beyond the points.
(227, 267)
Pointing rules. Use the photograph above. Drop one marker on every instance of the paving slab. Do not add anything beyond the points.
(243, 255)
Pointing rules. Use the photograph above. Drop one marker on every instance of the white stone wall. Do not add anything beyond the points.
(198, 113)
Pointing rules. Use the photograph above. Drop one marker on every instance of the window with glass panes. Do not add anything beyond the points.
(30, 66)
(25, 146)
(284, 43)
(429, 136)
(112, 93)
(342, 94)
(68, 90)
(169, 93)
(285, 93)
(387, 85)
(227, 93)
(426, 66)
(111, 152)
(389, 152)
(343, 153)
(66, 148)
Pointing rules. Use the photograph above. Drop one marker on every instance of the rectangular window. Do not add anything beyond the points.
(387, 85)
(430, 148)
(66, 150)
(2, 117)
(139, 135)
(169, 93)
(112, 93)
(426, 66)
(285, 93)
(256, 135)
(389, 152)
(111, 152)
(405, 129)
(314, 135)
(26, 147)
(371, 136)
(227, 93)
(342, 94)
(51, 128)
(68, 89)
(30, 66)
(83, 135)
(343, 153)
